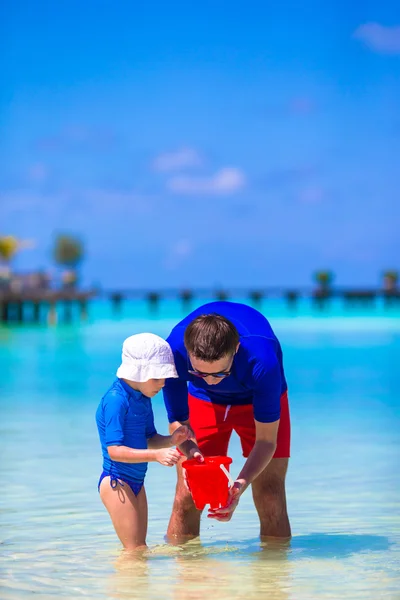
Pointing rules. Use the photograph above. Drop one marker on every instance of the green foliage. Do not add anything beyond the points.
(391, 276)
(324, 278)
(9, 245)
(68, 251)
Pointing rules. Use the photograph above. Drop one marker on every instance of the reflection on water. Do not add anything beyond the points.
(56, 540)
(250, 569)
(130, 578)
(245, 569)
(193, 571)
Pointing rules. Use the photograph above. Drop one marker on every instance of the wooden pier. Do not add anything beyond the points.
(44, 306)
(68, 305)
(319, 296)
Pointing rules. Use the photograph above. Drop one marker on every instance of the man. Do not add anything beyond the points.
(231, 377)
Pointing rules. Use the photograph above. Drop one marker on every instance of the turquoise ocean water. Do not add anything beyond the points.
(56, 540)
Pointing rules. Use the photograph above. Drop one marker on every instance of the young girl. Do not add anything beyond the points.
(128, 437)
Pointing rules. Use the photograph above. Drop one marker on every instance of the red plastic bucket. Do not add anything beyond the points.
(207, 482)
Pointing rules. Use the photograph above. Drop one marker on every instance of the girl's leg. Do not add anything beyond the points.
(143, 510)
(128, 513)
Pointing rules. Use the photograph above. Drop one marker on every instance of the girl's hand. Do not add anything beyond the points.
(181, 435)
(167, 456)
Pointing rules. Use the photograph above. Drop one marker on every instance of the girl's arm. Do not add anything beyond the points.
(165, 456)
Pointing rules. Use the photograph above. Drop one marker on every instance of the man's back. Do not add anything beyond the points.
(246, 319)
(257, 375)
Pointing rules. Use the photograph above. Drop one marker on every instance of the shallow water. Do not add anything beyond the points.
(343, 484)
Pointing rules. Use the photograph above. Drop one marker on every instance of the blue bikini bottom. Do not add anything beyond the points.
(114, 481)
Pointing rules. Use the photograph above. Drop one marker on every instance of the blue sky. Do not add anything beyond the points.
(215, 144)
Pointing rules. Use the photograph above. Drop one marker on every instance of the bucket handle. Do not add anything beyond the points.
(225, 470)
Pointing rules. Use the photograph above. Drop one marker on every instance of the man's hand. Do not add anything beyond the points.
(189, 446)
(181, 435)
(225, 513)
(195, 453)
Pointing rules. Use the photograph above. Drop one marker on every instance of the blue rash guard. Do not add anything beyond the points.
(124, 418)
(257, 375)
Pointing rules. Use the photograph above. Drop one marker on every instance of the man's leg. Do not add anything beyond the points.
(184, 523)
(212, 433)
(269, 488)
(269, 496)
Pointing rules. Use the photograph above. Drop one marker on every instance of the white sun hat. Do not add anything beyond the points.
(146, 356)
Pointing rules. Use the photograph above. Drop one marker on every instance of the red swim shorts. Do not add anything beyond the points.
(213, 425)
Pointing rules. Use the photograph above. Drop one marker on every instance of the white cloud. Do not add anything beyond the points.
(379, 38)
(175, 161)
(224, 181)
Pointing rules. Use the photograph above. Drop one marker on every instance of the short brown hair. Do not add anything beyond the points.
(210, 337)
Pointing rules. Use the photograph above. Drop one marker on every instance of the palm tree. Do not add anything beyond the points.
(390, 280)
(68, 252)
(324, 280)
(9, 246)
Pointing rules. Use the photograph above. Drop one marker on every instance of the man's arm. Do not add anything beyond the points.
(175, 393)
(177, 438)
(189, 448)
(159, 441)
(267, 409)
(261, 454)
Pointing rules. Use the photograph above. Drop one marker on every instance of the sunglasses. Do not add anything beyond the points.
(219, 375)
